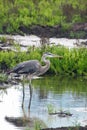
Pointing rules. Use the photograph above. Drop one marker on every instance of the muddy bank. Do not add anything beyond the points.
(27, 122)
(78, 30)
(68, 128)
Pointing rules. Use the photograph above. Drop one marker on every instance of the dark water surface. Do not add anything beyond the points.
(50, 94)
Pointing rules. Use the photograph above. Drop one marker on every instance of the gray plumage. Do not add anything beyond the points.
(33, 67)
(27, 67)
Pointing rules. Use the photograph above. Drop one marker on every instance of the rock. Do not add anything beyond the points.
(61, 114)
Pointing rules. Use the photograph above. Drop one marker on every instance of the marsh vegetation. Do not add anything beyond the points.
(73, 63)
(22, 16)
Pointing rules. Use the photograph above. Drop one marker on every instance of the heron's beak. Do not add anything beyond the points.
(57, 56)
(60, 57)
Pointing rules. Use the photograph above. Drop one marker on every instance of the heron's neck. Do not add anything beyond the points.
(46, 61)
(46, 66)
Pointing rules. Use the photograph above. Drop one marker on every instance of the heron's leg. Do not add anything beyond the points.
(23, 97)
(23, 102)
(30, 87)
(23, 93)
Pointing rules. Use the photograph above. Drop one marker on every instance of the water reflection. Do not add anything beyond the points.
(23, 97)
(60, 85)
(63, 93)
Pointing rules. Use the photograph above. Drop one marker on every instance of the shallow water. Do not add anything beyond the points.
(59, 93)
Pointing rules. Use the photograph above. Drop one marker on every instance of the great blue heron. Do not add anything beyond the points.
(33, 68)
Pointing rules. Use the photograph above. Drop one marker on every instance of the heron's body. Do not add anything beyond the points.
(32, 67)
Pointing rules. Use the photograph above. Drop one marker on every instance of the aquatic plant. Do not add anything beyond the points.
(37, 126)
(50, 108)
(6, 40)
(3, 77)
(3, 39)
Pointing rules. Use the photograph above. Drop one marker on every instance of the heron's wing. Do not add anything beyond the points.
(19, 67)
(28, 67)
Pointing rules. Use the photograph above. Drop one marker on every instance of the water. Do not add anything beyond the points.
(61, 93)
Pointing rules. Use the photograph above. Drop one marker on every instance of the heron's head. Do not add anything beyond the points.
(48, 54)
